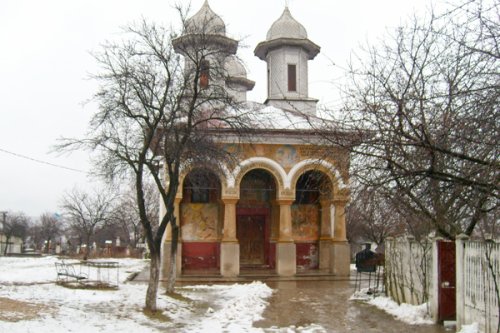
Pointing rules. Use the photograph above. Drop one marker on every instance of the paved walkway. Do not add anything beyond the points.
(326, 303)
(316, 299)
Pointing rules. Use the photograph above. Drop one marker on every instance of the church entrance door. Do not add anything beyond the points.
(251, 236)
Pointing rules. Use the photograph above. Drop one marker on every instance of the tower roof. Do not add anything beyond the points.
(205, 29)
(286, 31)
(237, 74)
(234, 67)
(206, 21)
(286, 27)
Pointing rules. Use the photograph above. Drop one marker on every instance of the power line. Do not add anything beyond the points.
(40, 161)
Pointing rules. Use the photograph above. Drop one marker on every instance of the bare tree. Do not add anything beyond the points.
(428, 96)
(372, 216)
(155, 107)
(50, 227)
(14, 225)
(127, 211)
(86, 212)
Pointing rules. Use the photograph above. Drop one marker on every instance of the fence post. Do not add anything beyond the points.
(388, 267)
(460, 278)
(434, 281)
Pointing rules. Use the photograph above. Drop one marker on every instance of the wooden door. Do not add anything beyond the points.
(446, 281)
(251, 234)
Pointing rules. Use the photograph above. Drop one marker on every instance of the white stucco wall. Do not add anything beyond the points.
(278, 61)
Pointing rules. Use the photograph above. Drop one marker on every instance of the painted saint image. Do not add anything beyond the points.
(287, 156)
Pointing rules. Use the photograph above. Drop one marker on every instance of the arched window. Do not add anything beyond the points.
(201, 186)
(310, 187)
(257, 187)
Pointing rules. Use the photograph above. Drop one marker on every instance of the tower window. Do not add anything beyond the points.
(292, 77)
(204, 73)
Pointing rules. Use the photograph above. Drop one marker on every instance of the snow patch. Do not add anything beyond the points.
(472, 328)
(218, 308)
(410, 314)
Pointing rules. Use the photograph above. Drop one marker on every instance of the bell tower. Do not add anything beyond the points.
(208, 49)
(287, 51)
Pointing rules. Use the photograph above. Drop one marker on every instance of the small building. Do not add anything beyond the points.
(14, 245)
(281, 208)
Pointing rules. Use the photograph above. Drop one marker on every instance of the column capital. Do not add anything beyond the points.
(341, 200)
(326, 202)
(287, 201)
(229, 201)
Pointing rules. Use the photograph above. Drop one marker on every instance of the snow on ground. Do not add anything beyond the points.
(410, 314)
(42, 269)
(472, 328)
(201, 308)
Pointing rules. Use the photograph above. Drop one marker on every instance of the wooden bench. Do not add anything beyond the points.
(67, 271)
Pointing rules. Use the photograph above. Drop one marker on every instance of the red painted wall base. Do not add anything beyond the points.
(307, 255)
(197, 255)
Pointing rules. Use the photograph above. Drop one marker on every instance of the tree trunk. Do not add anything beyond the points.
(172, 270)
(154, 279)
(7, 239)
(47, 246)
(87, 250)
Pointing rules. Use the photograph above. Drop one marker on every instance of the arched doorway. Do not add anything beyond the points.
(200, 220)
(312, 187)
(254, 219)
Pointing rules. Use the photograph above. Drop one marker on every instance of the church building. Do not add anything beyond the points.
(281, 208)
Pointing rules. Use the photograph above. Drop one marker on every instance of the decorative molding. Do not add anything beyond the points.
(257, 163)
(312, 164)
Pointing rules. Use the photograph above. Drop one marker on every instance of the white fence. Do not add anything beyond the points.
(412, 277)
(407, 270)
(478, 276)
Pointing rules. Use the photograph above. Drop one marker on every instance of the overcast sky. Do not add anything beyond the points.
(45, 63)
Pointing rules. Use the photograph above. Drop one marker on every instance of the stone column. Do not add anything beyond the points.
(167, 243)
(339, 231)
(230, 248)
(325, 239)
(340, 254)
(286, 256)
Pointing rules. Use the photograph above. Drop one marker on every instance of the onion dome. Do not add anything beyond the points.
(235, 68)
(237, 74)
(286, 31)
(206, 21)
(286, 27)
(204, 30)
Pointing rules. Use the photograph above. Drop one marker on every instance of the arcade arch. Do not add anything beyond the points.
(200, 219)
(254, 218)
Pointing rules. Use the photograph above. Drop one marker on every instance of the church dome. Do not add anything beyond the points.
(286, 27)
(235, 68)
(205, 21)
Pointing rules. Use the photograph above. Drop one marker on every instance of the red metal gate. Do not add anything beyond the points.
(446, 280)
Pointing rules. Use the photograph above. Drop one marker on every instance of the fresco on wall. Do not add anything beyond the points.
(305, 222)
(199, 222)
(287, 156)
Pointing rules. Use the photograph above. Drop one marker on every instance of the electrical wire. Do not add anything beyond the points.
(40, 161)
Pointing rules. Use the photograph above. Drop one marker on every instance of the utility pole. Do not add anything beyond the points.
(4, 219)
(4, 214)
